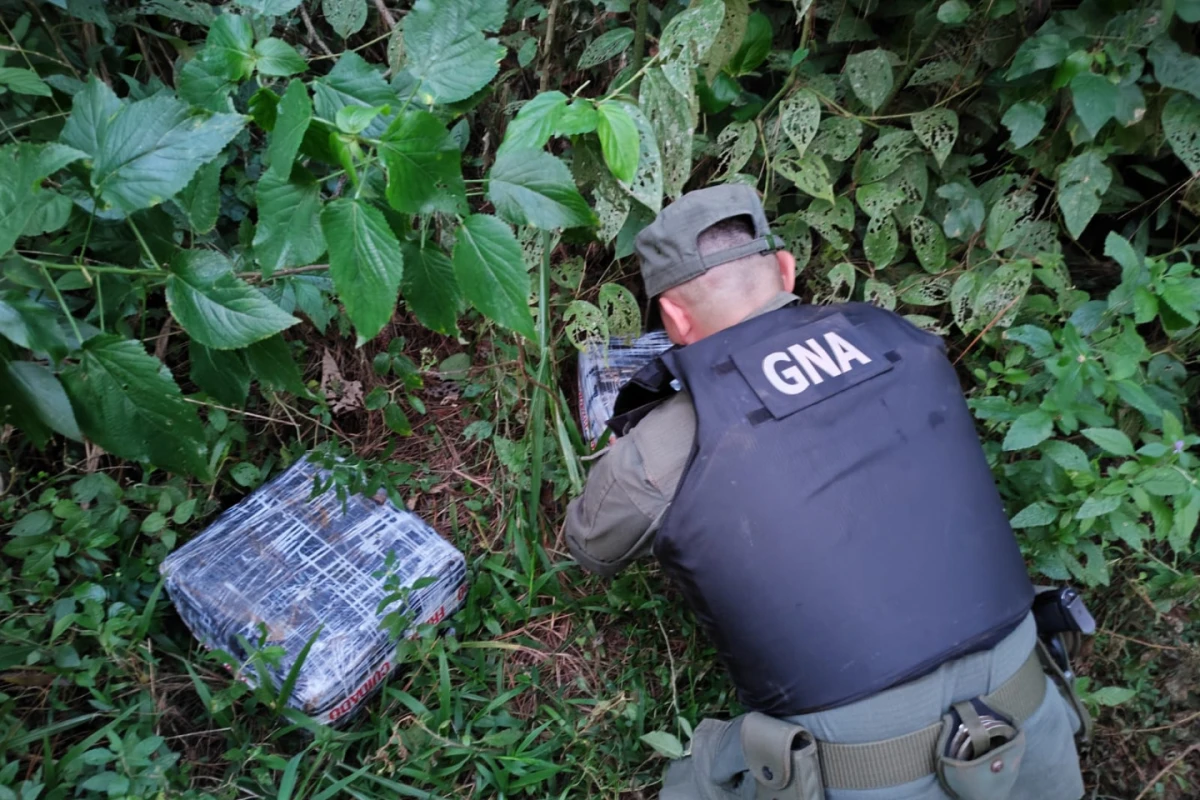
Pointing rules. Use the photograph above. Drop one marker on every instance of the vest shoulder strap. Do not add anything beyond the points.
(641, 394)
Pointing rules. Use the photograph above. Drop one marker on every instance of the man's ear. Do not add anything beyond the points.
(787, 269)
(676, 320)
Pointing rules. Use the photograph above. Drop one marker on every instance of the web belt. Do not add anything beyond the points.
(891, 762)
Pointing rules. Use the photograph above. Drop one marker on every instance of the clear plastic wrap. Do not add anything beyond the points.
(296, 566)
(602, 370)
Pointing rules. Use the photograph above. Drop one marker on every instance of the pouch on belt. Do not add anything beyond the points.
(979, 752)
(782, 757)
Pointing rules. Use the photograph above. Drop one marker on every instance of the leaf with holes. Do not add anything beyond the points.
(998, 298)
(647, 186)
(962, 300)
(878, 199)
(870, 76)
(423, 162)
(618, 140)
(621, 311)
(937, 129)
(929, 243)
(585, 325)
(809, 173)
(365, 263)
(729, 38)
(1009, 220)
(532, 187)
(737, 144)
(842, 276)
(215, 307)
(911, 180)
(346, 17)
(126, 401)
(686, 39)
(605, 47)
(838, 137)
(830, 219)
(927, 292)
(1081, 183)
(881, 241)
(800, 117)
(1024, 121)
(935, 73)
(879, 294)
(671, 116)
(447, 52)
(1181, 126)
(491, 273)
(885, 157)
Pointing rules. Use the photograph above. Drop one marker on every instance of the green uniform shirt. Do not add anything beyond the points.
(630, 488)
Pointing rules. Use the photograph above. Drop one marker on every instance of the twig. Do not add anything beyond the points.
(987, 328)
(385, 15)
(1162, 772)
(639, 41)
(313, 36)
(551, 22)
(283, 273)
(1175, 724)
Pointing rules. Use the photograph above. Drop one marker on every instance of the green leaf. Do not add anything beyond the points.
(492, 274)
(1068, 456)
(1095, 99)
(221, 374)
(937, 128)
(277, 58)
(1184, 527)
(929, 244)
(1112, 696)
(45, 396)
(346, 17)
(151, 149)
(429, 287)
(23, 81)
(1163, 481)
(881, 241)
(396, 420)
(686, 40)
(1024, 120)
(91, 111)
(230, 46)
(670, 116)
(728, 40)
(1174, 68)
(1035, 515)
(755, 46)
(365, 263)
(23, 203)
(215, 307)
(838, 137)
(885, 156)
(355, 119)
(201, 198)
(1188, 10)
(605, 47)
(446, 52)
(1110, 440)
(271, 363)
(293, 115)
(424, 165)
(1038, 53)
(1081, 182)
(809, 173)
(1181, 126)
(618, 140)
(1029, 429)
(288, 233)
(578, 117)
(532, 187)
(203, 84)
(1182, 297)
(1098, 505)
(870, 76)
(953, 12)
(32, 325)
(800, 118)
(126, 401)
(665, 744)
(964, 211)
(488, 15)
(353, 82)
(535, 123)
(269, 8)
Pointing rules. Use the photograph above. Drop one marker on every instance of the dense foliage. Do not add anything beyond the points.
(229, 234)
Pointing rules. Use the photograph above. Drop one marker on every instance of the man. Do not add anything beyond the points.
(811, 479)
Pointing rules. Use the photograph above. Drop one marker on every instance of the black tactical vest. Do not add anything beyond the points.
(836, 529)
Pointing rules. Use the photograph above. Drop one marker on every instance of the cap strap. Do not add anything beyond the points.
(760, 246)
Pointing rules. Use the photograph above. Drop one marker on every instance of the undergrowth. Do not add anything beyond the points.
(231, 234)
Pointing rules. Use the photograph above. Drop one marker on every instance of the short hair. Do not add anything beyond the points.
(727, 233)
(728, 282)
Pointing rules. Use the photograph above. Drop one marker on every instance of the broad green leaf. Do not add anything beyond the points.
(230, 46)
(270, 362)
(534, 123)
(1009, 220)
(215, 307)
(686, 40)
(201, 198)
(22, 200)
(665, 744)
(1037, 53)
(31, 325)
(1081, 183)
(488, 15)
(23, 81)
(1110, 440)
(288, 233)
(878, 199)
(204, 84)
(885, 156)
(621, 310)
(728, 39)
(670, 115)
(293, 116)
(91, 111)
(929, 244)
(429, 287)
(998, 298)
(1095, 99)
(578, 117)
(221, 374)
(1028, 430)
(355, 119)
(618, 140)
(605, 47)
(532, 187)
(277, 58)
(365, 263)
(755, 45)
(1183, 297)
(44, 396)
(1024, 121)
(1183, 528)
(1181, 126)
(151, 149)
(446, 52)
(937, 129)
(1035, 515)
(809, 173)
(1188, 10)
(126, 401)
(1174, 68)
(881, 241)
(737, 142)
(585, 325)
(953, 12)
(964, 212)
(353, 81)
(396, 420)
(870, 76)
(800, 116)
(346, 17)
(269, 8)
(1118, 248)
(491, 273)
(423, 165)
(1112, 696)
(838, 137)
(1097, 506)
(1163, 481)
(1068, 456)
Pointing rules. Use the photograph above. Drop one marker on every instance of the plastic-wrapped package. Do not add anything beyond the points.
(284, 562)
(602, 370)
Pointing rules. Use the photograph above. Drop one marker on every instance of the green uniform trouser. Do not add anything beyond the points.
(716, 770)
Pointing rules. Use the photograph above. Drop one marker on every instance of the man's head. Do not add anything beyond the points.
(709, 260)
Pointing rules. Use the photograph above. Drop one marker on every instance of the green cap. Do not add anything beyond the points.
(668, 246)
